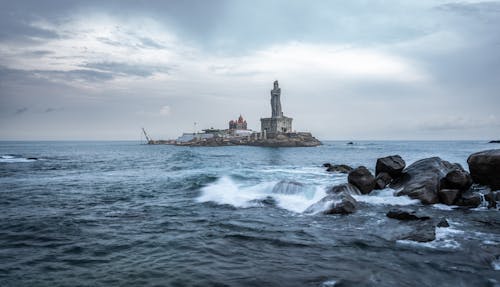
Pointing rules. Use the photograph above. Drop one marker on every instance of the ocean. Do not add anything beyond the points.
(121, 213)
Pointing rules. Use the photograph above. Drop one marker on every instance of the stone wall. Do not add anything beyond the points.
(276, 125)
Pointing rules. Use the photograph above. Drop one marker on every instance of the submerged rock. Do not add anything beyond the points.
(421, 180)
(405, 214)
(382, 180)
(493, 198)
(334, 203)
(443, 223)
(393, 165)
(346, 187)
(340, 168)
(288, 187)
(422, 233)
(484, 168)
(362, 178)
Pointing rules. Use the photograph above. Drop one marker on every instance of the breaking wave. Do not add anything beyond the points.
(9, 158)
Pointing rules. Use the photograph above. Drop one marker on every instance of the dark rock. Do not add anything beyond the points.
(288, 187)
(423, 233)
(346, 187)
(382, 180)
(448, 196)
(334, 203)
(494, 141)
(327, 164)
(421, 180)
(470, 199)
(350, 143)
(484, 168)
(405, 214)
(340, 168)
(362, 178)
(457, 179)
(32, 158)
(492, 198)
(443, 223)
(393, 165)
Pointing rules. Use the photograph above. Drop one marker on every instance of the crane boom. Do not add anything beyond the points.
(146, 135)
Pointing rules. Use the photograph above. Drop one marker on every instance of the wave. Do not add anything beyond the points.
(286, 195)
(10, 158)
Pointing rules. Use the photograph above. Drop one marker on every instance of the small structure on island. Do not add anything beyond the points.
(239, 124)
(277, 123)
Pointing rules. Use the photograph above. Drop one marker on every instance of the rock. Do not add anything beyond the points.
(484, 168)
(494, 141)
(327, 164)
(346, 187)
(32, 158)
(288, 187)
(350, 143)
(334, 203)
(457, 179)
(443, 223)
(340, 168)
(382, 180)
(423, 233)
(362, 178)
(470, 199)
(492, 198)
(405, 214)
(421, 180)
(393, 165)
(448, 196)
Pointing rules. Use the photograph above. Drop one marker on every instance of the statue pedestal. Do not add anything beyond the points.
(273, 126)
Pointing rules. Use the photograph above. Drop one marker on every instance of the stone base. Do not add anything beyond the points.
(276, 125)
(277, 140)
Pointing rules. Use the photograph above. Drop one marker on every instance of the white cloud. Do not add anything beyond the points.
(165, 111)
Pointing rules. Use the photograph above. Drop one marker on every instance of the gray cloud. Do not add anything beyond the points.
(126, 69)
(21, 111)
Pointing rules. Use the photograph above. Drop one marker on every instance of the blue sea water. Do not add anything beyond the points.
(126, 214)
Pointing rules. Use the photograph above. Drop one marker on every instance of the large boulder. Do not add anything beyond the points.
(393, 165)
(346, 187)
(484, 168)
(362, 178)
(421, 180)
(334, 203)
(470, 199)
(457, 179)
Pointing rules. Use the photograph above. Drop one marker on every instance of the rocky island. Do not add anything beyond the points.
(276, 131)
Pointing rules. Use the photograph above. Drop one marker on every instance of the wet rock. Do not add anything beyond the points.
(405, 214)
(32, 158)
(382, 180)
(346, 187)
(443, 223)
(362, 178)
(484, 168)
(470, 199)
(492, 198)
(393, 165)
(334, 203)
(421, 180)
(327, 164)
(340, 168)
(494, 141)
(288, 187)
(448, 196)
(457, 179)
(422, 233)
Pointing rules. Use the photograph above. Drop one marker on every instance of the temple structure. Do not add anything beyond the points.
(239, 124)
(277, 123)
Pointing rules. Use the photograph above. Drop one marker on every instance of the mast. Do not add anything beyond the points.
(146, 135)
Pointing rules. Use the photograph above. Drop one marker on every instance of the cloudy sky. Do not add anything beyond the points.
(423, 69)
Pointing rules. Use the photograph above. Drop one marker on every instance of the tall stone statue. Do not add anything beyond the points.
(275, 101)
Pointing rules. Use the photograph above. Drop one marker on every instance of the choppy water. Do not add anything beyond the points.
(124, 214)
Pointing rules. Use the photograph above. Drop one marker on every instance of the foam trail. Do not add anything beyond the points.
(386, 197)
(14, 159)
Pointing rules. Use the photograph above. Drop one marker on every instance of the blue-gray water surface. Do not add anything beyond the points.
(126, 214)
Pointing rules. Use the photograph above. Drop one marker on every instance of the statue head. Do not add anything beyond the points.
(276, 84)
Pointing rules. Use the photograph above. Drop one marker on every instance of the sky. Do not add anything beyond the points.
(348, 70)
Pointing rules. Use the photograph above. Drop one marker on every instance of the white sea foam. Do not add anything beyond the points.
(228, 191)
(386, 197)
(13, 159)
(496, 264)
(328, 283)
